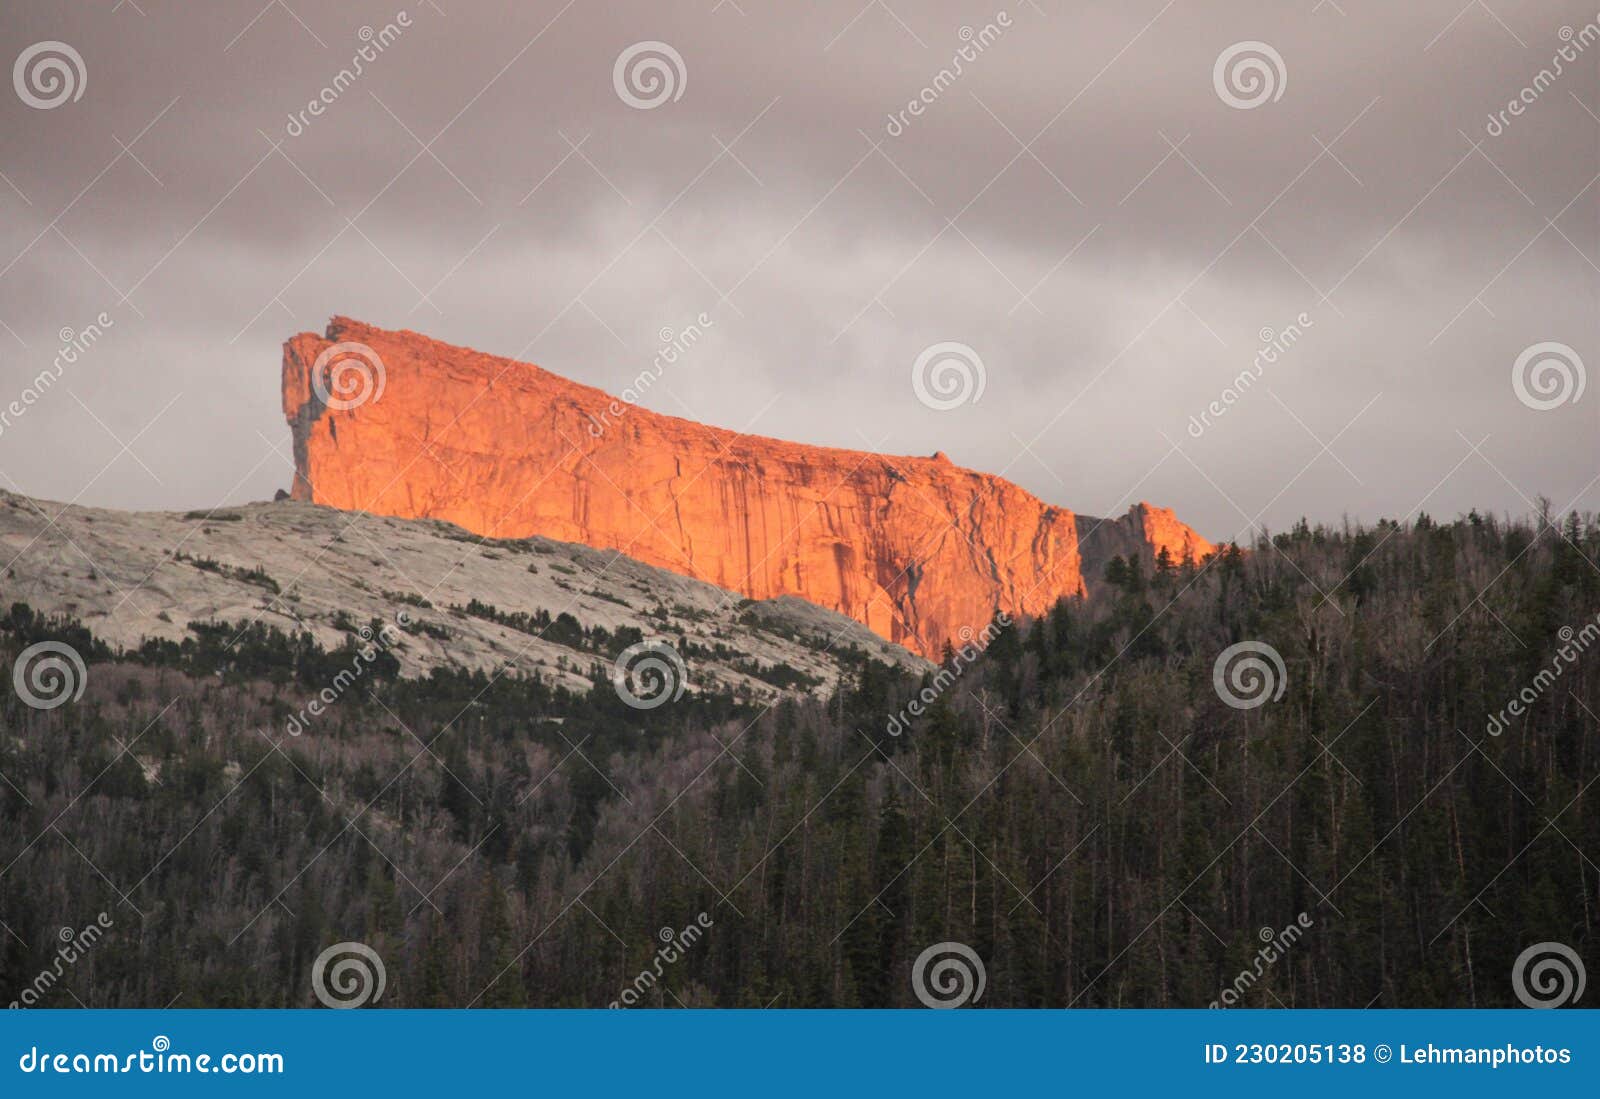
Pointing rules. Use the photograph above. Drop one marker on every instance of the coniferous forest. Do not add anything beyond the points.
(1087, 807)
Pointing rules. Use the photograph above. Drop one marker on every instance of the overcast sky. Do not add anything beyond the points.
(1034, 211)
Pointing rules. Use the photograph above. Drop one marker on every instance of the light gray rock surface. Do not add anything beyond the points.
(129, 575)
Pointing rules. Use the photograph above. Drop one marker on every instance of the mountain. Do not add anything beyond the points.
(1091, 807)
(532, 605)
(918, 549)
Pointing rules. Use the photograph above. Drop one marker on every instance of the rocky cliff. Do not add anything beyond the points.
(1143, 532)
(919, 550)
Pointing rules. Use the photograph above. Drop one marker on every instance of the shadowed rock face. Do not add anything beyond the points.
(919, 550)
(1143, 532)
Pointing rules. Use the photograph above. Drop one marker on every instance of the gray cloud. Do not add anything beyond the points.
(1112, 286)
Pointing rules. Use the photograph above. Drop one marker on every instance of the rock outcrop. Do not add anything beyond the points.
(918, 549)
(469, 602)
(1143, 532)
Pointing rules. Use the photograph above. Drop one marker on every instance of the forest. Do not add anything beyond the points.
(1092, 807)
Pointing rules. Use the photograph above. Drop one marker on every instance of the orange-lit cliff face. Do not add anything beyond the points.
(918, 549)
(1164, 531)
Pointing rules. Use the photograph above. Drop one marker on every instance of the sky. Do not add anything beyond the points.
(1103, 212)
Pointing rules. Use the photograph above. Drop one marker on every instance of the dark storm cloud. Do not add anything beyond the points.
(1114, 276)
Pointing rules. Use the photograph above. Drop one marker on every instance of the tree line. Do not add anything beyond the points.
(1093, 806)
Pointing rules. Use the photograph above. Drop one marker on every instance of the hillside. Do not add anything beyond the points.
(529, 606)
(1100, 807)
